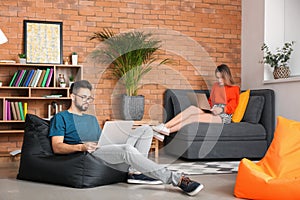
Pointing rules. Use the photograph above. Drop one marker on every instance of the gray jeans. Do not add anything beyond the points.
(135, 153)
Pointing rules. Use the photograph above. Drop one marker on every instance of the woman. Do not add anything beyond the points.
(223, 99)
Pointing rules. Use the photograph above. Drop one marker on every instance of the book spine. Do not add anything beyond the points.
(25, 109)
(29, 78)
(8, 111)
(39, 84)
(5, 112)
(17, 110)
(32, 78)
(21, 110)
(12, 105)
(19, 78)
(45, 77)
(37, 78)
(16, 79)
(13, 78)
(25, 76)
(49, 77)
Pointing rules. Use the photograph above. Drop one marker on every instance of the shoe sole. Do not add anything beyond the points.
(196, 191)
(131, 181)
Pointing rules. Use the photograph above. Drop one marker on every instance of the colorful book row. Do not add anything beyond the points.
(15, 110)
(32, 78)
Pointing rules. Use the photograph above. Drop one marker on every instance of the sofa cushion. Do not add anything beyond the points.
(222, 132)
(241, 108)
(254, 109)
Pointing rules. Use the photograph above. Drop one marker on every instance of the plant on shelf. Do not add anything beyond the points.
(22, 55)
(71, 79)
(132, 55)
(22, 58)
(74, 58)
(279, 59)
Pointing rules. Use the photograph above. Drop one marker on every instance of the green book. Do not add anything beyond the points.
(21, 110)
(45, 77)
(19, 84)
(13, 78)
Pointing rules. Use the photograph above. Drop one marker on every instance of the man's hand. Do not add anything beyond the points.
(90, 146)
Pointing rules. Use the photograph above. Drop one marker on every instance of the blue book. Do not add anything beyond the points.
(29, 78)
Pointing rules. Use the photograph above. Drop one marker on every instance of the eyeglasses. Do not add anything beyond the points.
(85, 98)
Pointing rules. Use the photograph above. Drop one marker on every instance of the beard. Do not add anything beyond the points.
(82, 107)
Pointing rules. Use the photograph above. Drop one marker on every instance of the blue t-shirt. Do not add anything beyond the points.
(75, 128)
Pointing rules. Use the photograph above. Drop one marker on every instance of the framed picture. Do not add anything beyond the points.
(43, 42)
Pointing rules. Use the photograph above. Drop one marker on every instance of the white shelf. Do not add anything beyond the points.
(283, 80)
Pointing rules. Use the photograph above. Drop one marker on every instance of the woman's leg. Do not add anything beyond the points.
(183, 116)
(204, 117)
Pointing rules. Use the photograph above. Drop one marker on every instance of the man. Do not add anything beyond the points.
(68, 128)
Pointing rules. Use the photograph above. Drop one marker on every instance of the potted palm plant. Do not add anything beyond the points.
(132, 56)
(279, 59)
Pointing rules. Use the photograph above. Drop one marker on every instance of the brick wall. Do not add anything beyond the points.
(197, 35)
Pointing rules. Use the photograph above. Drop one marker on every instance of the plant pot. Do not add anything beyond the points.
(62, 85)
(132, 107)
(74, 59)
(22, 60)
(281, 72)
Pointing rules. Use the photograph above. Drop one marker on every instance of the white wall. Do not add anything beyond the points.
(287, 95)
(292, 32)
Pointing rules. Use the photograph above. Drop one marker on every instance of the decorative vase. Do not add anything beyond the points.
(74, 59)
(132, 107)
(281, 72)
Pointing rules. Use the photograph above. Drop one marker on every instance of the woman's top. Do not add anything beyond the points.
(225, 95)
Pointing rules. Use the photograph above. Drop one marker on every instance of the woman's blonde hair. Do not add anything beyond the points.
(226, 74)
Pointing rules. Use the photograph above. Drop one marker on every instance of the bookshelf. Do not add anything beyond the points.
(36, 98)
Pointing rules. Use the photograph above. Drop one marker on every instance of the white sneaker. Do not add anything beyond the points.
(161, 128)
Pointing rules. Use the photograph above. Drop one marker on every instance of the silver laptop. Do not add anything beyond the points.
(200, 100)
(115, 132)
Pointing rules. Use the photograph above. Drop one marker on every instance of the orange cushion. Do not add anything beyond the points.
(241, 108)
(277, 175)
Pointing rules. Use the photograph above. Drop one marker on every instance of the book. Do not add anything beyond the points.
(17, 110)
(5, 112)
(25, 109)
(39, 84)
(158, 136)
(8, 111)
(49, 77)
(24, 77)
(38, 76)
(13, 78)
(16, 78)
(29, 78)
(19, 78)
(32, 78)
(21, 110)
(45, 77)
(14, 112)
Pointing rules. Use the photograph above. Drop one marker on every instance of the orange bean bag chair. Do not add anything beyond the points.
(277, 175)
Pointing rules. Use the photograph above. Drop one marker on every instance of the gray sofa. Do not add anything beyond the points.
(249, 138)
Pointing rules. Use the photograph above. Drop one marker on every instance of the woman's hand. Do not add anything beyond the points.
(216, 110)
(90, 146)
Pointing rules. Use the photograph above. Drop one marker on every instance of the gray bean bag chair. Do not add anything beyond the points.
(78, 170)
